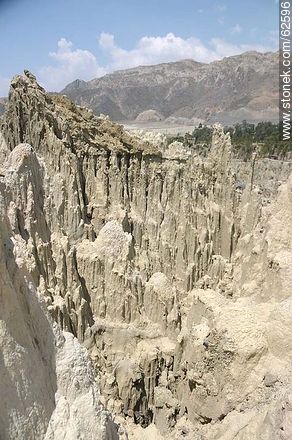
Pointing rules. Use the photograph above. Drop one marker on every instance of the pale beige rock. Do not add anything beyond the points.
(171, 271)
(47, 384)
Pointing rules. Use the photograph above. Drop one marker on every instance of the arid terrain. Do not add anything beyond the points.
(185, 93)
(2, 105)
(145, 290)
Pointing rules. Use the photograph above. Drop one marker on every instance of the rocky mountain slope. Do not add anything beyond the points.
(172, 270)
(233, 89)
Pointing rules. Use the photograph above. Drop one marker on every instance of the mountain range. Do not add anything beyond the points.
(236, 88)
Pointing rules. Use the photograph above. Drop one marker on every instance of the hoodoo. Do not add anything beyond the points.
(145, 290)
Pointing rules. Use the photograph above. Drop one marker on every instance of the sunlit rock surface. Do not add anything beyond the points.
(173, 272)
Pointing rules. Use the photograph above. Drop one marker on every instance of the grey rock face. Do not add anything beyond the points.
(47, 384)
(2, 105)
(231, 90)
(174, 278)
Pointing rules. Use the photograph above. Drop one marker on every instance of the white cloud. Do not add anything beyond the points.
(151, 50)
(69, 64)
(225, 49)
(237, 29)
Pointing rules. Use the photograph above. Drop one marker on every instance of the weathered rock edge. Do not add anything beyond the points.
(174, 277)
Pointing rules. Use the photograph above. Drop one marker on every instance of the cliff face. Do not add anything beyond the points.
(173, 276)
(2, 105)
(47, 381)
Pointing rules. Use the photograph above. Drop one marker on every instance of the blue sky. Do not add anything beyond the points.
(61, 40)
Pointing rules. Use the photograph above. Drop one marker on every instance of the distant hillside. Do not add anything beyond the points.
(231, 90)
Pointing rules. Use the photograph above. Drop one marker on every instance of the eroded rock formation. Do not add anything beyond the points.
(47, 382)
(172, 273)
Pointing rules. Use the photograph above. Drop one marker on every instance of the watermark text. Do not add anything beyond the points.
(285, 66)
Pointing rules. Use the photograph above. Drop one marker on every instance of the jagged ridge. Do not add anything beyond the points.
(162, 265)
(230, 90)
